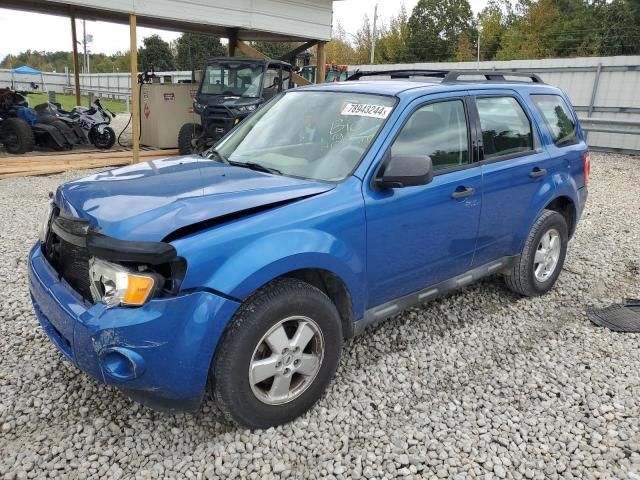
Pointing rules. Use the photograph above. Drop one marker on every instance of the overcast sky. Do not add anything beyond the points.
(21, 31)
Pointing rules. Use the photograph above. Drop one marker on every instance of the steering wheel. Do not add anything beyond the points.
(228, 92)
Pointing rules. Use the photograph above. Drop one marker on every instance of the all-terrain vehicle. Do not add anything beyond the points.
(231, 89)
(21, 127)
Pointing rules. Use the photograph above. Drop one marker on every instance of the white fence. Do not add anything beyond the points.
(111, 85)
(599, 87)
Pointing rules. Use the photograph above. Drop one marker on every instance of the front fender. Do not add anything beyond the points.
(279, 253)
(323, 232)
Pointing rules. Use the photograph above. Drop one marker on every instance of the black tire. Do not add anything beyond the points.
(186, 136)
(522, 277)
(104, 140)
(230, 383)
(16, 135)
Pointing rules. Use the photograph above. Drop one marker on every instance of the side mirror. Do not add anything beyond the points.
(405, 171)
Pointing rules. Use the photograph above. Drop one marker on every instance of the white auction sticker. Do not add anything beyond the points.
(364, 110)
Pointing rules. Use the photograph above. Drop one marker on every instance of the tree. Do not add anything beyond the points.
(274, 49)
(155, 54)
(363, 41)
(339, 49)
(193, 49)
(532, 35)
(391, 46)
(434, 28)
(465, 51)
(493, 21)
(620, 28)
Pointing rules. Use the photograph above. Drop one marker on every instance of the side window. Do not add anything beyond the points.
(558, 118)
(271, 82)
(506, 129)
(438, 130)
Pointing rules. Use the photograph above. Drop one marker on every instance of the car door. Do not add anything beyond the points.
(514, 165)
(420, 235)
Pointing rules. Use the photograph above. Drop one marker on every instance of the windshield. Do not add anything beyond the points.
(234, 79)
(317, 135)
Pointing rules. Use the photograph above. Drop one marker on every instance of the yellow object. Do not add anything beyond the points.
(138, 290)
(236, 121)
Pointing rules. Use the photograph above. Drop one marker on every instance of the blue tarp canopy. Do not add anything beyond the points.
(26, 70)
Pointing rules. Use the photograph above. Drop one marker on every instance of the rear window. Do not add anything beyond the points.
(558, 118)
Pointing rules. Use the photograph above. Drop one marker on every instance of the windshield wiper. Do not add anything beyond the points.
(257, 167)
(215, 153)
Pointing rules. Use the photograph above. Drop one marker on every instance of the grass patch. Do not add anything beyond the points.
(69, 101)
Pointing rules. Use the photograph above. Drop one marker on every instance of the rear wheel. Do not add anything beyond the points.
(16, 135)
(538, 267)
(104, 140)
(188, 138)
(278, 355)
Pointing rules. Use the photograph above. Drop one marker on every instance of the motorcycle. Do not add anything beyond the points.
(89, 123)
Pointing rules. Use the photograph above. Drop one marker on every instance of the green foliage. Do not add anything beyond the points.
(435, 27)
(193, 49)
(274, 50)
(155, 53)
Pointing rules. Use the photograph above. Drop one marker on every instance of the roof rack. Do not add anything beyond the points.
(400, 73)
(449, 76)
(489, 75)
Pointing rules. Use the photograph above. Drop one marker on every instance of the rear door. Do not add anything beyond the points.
(560, 124)
(514, 166)
(421, 235)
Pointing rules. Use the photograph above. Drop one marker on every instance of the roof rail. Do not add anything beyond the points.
(489, 75)
(400, 73)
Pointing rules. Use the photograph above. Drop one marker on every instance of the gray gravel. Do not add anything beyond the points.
(481, 384)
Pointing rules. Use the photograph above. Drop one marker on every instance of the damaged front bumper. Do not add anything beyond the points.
(158, 354)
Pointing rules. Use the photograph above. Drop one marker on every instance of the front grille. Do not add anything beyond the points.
(70, 261)
(73, 266)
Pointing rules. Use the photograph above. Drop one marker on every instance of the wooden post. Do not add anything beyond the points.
(321, 61)
(233, 42)
(135, 92)
(76, 67)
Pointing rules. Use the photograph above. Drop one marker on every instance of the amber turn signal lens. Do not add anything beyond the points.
(138, 289)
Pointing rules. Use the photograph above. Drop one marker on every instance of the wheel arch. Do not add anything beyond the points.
(566, 207)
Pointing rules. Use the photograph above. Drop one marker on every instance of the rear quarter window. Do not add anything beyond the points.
(558, 118)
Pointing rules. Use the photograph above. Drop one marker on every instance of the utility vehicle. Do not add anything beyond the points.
(241, 273)
(231, 89)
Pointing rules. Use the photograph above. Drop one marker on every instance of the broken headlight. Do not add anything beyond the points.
(115, 284)
(43, 226)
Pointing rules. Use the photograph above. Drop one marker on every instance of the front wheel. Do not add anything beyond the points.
(188, 138)
(278, 355)
(539, 265)
(16, 135)
(104, 140)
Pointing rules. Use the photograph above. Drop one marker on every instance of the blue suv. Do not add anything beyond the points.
(241, 272)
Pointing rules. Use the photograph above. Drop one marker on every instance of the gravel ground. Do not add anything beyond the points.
(481, 384)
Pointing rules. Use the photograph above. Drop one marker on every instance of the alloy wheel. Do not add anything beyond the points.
(286, 360)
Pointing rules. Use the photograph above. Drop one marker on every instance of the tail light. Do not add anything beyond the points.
(586, 162)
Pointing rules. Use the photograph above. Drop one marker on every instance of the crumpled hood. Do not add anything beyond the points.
(148, 201)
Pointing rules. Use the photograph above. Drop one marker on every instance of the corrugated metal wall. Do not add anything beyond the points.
(615, 81)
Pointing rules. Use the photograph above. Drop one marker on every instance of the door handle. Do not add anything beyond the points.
(537, 172)
(462, 192)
